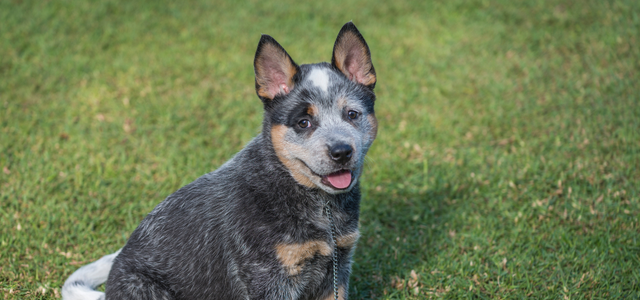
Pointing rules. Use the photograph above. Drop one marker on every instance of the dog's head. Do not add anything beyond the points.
(319, 117)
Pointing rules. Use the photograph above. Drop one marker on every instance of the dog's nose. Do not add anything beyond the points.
(341, 153)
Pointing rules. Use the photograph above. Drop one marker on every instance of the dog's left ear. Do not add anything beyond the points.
(352, 57)
(274, 69)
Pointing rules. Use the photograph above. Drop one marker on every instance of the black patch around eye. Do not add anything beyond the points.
(301, 119)
(299, 112)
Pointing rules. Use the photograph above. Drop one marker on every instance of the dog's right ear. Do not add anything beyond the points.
(274, 69)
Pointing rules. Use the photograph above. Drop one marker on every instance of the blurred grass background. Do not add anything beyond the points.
(506, 165)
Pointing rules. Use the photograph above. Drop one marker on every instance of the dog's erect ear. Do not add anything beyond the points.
(352, 57)
(274, 69)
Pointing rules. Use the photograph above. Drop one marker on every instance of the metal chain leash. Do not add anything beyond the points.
(335, 252)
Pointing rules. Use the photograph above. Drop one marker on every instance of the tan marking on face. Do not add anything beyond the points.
(348, 240)
(312, 110)
(293, 256)
(341, 293)
(374, 125)
(296, 167)
(342, 103)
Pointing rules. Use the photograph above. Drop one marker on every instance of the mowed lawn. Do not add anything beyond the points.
(506, 165)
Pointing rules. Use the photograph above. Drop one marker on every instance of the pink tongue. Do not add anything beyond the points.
(340, 180)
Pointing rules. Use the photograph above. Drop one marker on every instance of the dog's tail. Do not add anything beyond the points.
(81, 284)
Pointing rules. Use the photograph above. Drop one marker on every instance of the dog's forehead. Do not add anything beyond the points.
(320, 76)
(327, 85)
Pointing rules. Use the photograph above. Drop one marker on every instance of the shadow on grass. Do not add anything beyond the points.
(404, 230)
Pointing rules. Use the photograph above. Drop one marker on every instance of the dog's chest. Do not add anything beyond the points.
(310, 255)
(308, 262)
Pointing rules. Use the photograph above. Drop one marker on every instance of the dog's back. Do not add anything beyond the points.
(258, 227)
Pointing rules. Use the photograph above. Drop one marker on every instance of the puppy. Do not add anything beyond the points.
(277, 221)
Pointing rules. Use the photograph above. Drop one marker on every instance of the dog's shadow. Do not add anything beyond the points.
(403, 229)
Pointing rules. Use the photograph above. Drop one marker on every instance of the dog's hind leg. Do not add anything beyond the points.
(81, 284)
(127, 285)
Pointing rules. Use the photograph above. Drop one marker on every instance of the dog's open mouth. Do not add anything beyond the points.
(338, 180)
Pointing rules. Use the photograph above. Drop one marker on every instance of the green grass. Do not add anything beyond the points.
(506, 165)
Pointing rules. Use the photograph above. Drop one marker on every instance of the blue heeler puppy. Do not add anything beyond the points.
(272, 221)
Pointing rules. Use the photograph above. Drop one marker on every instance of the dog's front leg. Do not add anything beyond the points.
(267, 285)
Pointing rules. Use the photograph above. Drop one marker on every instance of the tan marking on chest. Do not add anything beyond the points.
(282, 149)
(293, 256)
(348, 240)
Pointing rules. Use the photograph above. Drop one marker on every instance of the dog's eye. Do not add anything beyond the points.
(352, 114)
(304, 123)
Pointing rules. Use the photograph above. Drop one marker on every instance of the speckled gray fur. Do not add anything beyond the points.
(216, 237)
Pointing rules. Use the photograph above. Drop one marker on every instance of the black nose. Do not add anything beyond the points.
(341, 153)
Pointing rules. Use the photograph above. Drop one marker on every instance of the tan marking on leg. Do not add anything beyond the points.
(293, 256)
(348, 240)
(312, 110)
(295, 167)
(341, 294)
(374, 126)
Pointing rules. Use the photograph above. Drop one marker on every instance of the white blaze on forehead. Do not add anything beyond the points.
(320, 79)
